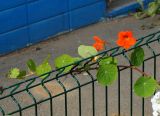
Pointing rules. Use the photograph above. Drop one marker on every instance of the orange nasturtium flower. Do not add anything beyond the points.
(99, 43)
(126, 39)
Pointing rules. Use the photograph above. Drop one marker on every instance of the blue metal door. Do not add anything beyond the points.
(25, 22)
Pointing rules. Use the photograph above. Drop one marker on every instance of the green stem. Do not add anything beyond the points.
(78, 71)
(135, 68)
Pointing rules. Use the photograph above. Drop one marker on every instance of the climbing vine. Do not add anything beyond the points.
(107, 68)
(152, 9)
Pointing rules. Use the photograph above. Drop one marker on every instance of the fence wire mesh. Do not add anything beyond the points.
(77, 92)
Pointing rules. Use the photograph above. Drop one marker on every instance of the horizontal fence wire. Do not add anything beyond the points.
(10, 99)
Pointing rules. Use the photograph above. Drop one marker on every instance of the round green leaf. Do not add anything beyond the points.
(43, 68)
(22, 74)
(76, 59)
(86, 51)
(107, 74)
(13, 73)
(31, 65)
(65, 60)
(145, 86)
(137, 57)
(108, 60)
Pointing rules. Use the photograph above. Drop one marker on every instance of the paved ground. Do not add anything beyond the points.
(68, 44)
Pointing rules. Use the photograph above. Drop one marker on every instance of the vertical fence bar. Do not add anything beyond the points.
(131, 94)
(80, 106)
(127, 58)
(79, 88)
(15, 101)
(49, 94)
(154, 54)
(64, 89)
(93, 94)
(143, 65)
(155, 65)
(2, 111)
(106, 96)
(119, 95)
(32, 97)
(113, 53)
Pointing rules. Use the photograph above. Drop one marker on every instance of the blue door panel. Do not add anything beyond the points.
(80, 3)
(7, 4)
(12, 19)
(86, 15)
(29, 21)
(32, 1)
(46, 28)
(44, 9)
(13, 40)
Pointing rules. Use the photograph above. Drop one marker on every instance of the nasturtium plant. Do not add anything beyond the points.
(43, 68)
(99, 43)
(108, 60)
(106, 66)
(22, 74)
(137, 56)
(16, 73)
(86, 51)
(107, 74)
(65, 60)
(13, 73)
(76, 59)
(152, 9)
(31, 65)
(145, 86)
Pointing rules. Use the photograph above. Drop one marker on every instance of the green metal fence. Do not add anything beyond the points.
(77, 93)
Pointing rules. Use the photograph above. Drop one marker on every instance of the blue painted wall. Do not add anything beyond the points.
(24, 22)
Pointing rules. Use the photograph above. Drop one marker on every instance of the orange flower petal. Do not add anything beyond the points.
(120, 42)
(132, 41)
(99, 43)
(98, 39)
(121, 34)
(129, 33)
(126, 47)
(98, 46)
(125, 39)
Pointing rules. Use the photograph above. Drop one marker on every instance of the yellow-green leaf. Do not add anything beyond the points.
(108, 60)
(65, 60)
(13, 73)
(43, 68)
(86, 51)
(152, 8)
